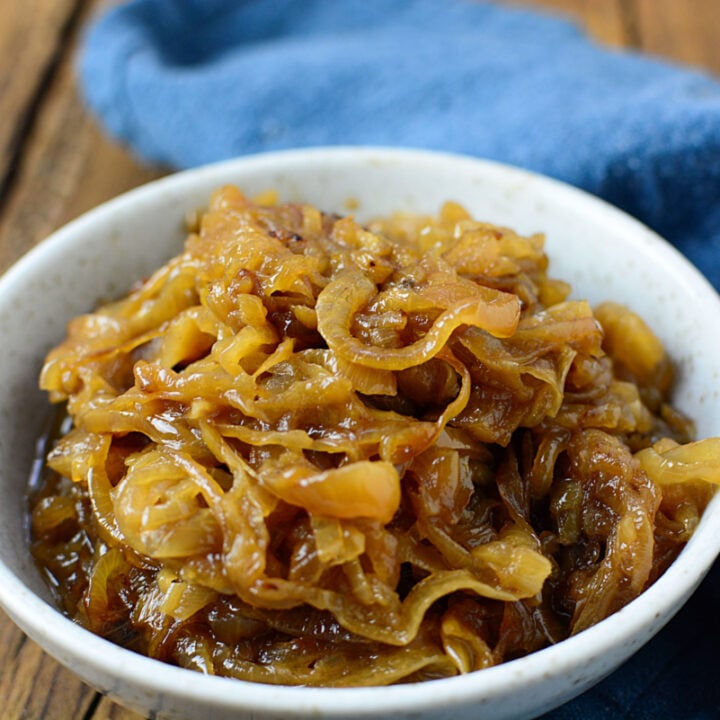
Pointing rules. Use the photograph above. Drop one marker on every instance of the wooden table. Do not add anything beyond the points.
(55, 164)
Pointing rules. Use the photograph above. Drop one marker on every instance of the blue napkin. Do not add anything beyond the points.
(186, 82)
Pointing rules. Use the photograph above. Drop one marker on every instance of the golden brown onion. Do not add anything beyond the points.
(308, 451)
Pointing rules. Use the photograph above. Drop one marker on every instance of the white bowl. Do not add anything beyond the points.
(602, 252)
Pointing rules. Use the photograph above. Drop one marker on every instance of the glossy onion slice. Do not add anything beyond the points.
(308, 451)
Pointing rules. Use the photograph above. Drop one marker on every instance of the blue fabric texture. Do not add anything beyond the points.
(186, 82)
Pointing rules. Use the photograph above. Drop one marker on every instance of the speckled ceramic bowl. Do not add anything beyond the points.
(604, 253)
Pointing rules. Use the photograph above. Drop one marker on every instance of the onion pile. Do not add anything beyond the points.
(307, 451)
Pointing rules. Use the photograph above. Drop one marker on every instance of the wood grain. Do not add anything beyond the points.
(108, 710)
(32, 35)
(685, 30)
(34, 687)
(55, 163)
(67, 166)
(603, 20)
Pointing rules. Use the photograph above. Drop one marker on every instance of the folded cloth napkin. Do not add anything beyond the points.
(185, 82)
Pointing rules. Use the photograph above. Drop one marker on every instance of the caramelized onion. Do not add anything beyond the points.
(493, 311)
(361, 489)
(668, 462)
(310, 452)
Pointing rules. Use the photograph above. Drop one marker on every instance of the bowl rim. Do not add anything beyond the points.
(73, 645)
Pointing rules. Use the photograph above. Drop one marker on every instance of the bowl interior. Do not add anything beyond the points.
(602, 252)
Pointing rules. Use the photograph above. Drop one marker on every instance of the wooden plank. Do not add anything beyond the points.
(31, 36)
(108, 710)
(35, 687)
(68, 167)
(686, 30)
(11, 641)
(604, 20)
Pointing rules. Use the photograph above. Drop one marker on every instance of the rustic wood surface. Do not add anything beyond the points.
(55, 163)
